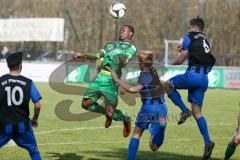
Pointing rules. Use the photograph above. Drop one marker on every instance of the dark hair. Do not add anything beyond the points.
(14, 60)
(197, 22)
(131, 28)
(14, 68)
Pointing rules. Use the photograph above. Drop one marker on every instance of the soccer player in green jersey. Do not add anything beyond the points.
(115, 56)
(234, 143)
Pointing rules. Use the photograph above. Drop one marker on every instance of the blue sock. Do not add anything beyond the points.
(159, 136)
(132, 148)
(35, 156)
(177, 100)
(202, 125)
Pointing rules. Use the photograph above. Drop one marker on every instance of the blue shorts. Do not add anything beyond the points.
(152, 116)
(195, 83)
(25, 140)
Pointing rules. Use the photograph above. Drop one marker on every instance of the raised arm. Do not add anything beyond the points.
(181, 58)
(182, 49)
(91, 56)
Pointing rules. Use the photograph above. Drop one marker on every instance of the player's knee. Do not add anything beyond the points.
(154, 147)
(110, 111)
(86, 103)
(235, 144)
(196, 111)
(168, 87)
(197, 114)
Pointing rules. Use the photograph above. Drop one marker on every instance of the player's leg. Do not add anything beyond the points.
(5, 134)
(111, 100)
(142, 123)
(178, 82)
(95, 90)
(90, 98)
(110, 93)
(156, 140)
(202, 123)
(230, 150)
(109, 111)
(203, 127)
(4, 139)
(27, 141)
(114, 114)
(93, 106)
(134, 143)
(117, 115)
(157, 128)
(195, 97)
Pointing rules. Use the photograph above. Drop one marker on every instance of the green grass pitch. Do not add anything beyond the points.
(89, 140)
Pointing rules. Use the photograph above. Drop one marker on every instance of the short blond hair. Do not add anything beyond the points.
(146, 57)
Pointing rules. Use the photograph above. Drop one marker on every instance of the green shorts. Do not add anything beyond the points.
(103, 85)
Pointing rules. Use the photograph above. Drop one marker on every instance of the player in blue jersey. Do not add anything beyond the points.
(153, 113)
(234, 143)
(15, 94)
(195, 47)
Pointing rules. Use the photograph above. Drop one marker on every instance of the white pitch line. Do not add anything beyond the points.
(12, 143)
(73, 129)
(114, 142)
(94, 128)
(209, 124)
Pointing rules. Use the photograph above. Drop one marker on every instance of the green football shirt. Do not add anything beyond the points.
(117, 54)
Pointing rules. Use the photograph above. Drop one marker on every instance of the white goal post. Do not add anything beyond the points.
(166, 44)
